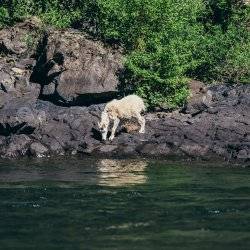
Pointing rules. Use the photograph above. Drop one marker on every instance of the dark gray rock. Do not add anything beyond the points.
(72, 68)
(154, 149)
(37, 149)
(18, 46)
(20, 40)
(15, 146)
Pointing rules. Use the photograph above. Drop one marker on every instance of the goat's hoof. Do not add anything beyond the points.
(142, 132)
(111, 139)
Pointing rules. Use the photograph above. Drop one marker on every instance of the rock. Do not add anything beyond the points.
(199, 98)
(20, 114)
(38, 150)
(74, 68)
(6, 81)
(18, 45)
(21, 39)
(15, 146)
(154, 149)
(194, 149)
(18, 71)
(244, 154)
(107, 148)
(131, 126)
(69, 130)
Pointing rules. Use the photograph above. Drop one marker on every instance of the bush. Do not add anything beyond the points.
(60, 19)
(4, 16)
(224, 53)
(161, 38)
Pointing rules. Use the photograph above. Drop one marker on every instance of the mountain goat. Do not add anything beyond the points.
(126, 108)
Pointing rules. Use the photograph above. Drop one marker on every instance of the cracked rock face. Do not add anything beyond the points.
(17, 50)
(51, 99)
(73, 69)
(90, 67)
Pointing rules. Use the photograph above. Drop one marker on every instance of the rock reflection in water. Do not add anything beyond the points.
(119, 173)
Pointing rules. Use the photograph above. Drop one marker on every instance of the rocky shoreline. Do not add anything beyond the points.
(53, 86)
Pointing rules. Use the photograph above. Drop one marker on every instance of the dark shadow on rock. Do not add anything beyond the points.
(96, 134)
(4, 50)
(7, 130)
(40, 73)
(87, 99)
(39, 70)
(26, 130)
(2, 87)
(125, 78)
(95, 98)
(54, 98)
(4, 130)
(21, 128)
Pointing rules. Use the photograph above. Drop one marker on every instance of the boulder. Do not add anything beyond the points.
(21, 39)
(18, 46)
(199, 98)
(37, 149)
(15, 146)
(74, 68)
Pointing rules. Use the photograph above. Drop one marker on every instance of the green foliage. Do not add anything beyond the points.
(4, 16)
(166, 42)
(225, 49)
(57, 13)
(160, 37)
(60, 19)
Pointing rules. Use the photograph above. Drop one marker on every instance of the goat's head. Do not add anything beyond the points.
(103, 125)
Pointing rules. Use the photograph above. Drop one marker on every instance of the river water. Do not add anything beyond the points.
(123, 204)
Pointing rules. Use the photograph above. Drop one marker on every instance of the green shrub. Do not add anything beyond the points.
(160, 37)
(4, 17)
(224, 52)
(169, 41)
(60, 19)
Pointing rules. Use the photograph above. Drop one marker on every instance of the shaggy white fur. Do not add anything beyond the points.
(126, 108)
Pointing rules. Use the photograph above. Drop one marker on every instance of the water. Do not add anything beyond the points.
(118, 204)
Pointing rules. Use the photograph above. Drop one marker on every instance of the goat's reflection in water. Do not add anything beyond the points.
(118, 173)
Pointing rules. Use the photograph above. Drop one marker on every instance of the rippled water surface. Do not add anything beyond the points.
(123, 204)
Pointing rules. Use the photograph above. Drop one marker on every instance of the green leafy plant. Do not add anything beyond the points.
(160, 38)
(60, 19)
(224, 53)
(4, 16)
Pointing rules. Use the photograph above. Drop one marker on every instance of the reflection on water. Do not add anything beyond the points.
(121, 172)
(123, 204)
(105, 172)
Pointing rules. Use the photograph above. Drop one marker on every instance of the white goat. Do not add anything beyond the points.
(126, 108)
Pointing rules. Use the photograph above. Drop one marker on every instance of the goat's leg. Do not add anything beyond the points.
(115, 125)
(142, 122)
(104, 134)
